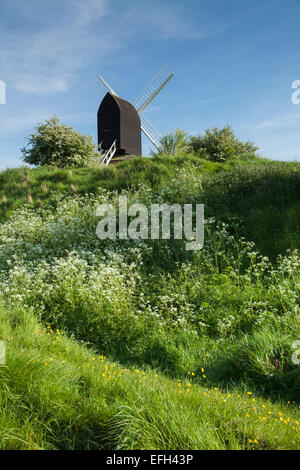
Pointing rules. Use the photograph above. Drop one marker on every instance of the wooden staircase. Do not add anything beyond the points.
(110, 157)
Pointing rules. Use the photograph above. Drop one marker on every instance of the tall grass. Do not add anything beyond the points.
(152, 302)
(223, 319)
(56, 393)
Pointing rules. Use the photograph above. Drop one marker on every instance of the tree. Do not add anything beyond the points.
(220, 144)
(56, 144)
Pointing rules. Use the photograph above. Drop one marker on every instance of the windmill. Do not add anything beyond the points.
(120, 123)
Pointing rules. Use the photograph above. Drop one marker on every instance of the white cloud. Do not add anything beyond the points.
(280, 121)
(27, 120)
(88, 11)
(30, 117)
(170, 20)
(42, 57)
(40, 85)
(52, 41)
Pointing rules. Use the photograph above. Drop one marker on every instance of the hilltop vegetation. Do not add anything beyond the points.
(198, 345)
(58, 145)
(261, 195)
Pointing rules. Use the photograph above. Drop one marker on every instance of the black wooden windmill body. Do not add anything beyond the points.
(120, 123)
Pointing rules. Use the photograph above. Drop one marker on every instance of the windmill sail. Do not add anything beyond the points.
(104, 82)
(158, 82)
(150, 132)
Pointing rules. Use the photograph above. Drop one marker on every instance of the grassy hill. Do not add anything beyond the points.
(261, 194)
(142, 344)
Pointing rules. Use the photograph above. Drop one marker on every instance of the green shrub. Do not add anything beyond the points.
(58, 145)
(175, 143)
(220, 144)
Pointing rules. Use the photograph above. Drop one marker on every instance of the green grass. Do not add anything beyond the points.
(18, 183)
(227, 314)
(261, 194)
(56, 393)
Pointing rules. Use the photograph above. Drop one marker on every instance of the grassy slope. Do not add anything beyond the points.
(57, 394)
(81, 408)
(262, 194)
(19, 184)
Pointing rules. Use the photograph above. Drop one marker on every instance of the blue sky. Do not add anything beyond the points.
(234, 63)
